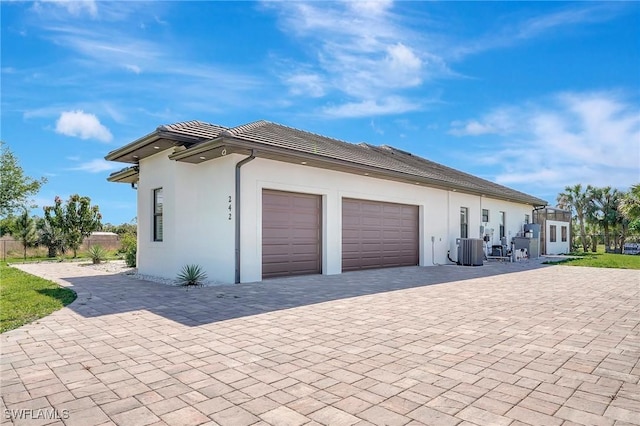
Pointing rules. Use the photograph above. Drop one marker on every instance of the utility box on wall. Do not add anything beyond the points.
(534, 241)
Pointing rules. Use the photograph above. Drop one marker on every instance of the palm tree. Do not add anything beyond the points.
(593, 232)
(25, 230)
(51, 237)
(630, 203)
(576, 200)
(603, 210)
(629, 210)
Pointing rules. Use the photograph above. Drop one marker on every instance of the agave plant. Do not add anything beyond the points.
(191, 275)
(97, 254)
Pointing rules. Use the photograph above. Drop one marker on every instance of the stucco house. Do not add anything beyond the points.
(265, 200)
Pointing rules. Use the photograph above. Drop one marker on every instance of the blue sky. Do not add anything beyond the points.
(535, 96)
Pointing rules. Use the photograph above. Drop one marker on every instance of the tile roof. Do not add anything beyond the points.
(196, 128)
(383, 157)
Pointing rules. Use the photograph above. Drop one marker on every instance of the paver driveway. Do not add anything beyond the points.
(504, 344)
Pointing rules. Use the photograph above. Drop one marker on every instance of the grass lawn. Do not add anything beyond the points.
(25, 298)
(602, 260)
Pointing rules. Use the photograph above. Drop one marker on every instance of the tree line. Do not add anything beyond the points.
(62, 229)
(607, 212)
(63, 226)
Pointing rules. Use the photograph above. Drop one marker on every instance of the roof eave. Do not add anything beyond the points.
(138, 149)
(128, 175)
(202, 152)
(225, 145)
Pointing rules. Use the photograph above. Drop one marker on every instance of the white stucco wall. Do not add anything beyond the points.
(439, 210)
(197, 228)
(558, 247)
(156, 257)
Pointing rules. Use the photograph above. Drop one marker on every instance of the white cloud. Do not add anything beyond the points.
(82, 125)
(367, 108)
(470, 128)
(108, 49)
(73, 7)
(369, 7)
(564, 18)
(66, 10)
(133, 68)
(308, 84)
(112, 50)
(535, 26)
(376, 128)
(404, 65)
(499, 121)
(359, 49)
(97, 166)
(572, 137)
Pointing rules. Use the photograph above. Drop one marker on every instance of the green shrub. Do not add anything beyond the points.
(97, 254)
(128, 241)
(130, 257)
(191, 275)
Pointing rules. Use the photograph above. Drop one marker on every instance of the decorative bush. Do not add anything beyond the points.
(97, 254)
(191, 275)
(127, 242)
(130, 257)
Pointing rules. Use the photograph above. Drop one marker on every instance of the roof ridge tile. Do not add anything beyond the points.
(237, 130)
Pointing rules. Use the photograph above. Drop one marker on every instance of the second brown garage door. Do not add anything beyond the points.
(291, 234)
(378, 235)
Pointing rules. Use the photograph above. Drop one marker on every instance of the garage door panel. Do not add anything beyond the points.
(279, 233)
(369, 221)
(303, 218)
(369, 208)
(303, 235)
(370, 247)
(378, 235)
(392, 222)
(291, 234)
(370, 234)
(391, 235)
(310, 249)
(349, 235)
(278, 250)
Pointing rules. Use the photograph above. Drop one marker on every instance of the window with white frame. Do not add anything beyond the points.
(526, 219)
(485, 215)
(157, 214)
(552, 234)
(464, 222)
(502, 224)
(563, 234)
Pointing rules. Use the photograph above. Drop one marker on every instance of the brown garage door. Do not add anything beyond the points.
(378, 235)
(291, 236)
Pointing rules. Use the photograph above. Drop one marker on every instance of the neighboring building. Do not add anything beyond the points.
(555, 230)
(265, 200)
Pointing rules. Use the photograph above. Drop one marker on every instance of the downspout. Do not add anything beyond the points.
(238, 165)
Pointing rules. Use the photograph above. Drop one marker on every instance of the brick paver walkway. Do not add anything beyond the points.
(502, 344)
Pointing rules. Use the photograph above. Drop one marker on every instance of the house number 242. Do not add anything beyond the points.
(229, 207)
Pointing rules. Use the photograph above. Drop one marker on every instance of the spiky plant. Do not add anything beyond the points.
(97, 254)
(191, 275)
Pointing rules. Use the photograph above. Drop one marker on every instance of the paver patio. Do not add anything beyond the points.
(502, 344)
